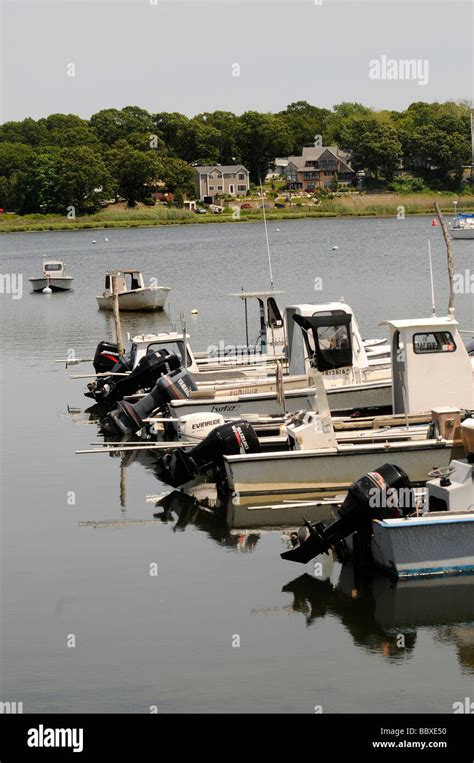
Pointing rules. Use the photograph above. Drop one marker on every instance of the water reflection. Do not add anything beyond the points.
(384, 616)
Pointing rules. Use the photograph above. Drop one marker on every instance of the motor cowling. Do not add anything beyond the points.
(376, 495)
(106, 357)
(128, 417)
(143, 377)
(231, 439)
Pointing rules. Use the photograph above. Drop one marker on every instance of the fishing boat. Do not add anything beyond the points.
(318, 463)
(133, 295)
(379, 518)
(54, 277)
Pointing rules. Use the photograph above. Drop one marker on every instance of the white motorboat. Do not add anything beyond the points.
(54, 277)
(133, 295)
(463, 226)
(316, 463)
(407, 540)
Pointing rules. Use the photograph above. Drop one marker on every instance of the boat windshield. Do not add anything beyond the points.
(174, 347)
(53, 266)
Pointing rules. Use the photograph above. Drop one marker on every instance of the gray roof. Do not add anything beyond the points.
(313, 153)
(206, 168)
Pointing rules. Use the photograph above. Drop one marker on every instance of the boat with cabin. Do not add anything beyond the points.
(463, 225)
(317, 463)
(54, 277)
(133, 295)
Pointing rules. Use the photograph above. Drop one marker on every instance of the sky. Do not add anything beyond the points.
(190, 56)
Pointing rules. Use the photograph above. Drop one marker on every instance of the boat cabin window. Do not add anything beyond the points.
(53, 266)
(433, 341)
(175, 347)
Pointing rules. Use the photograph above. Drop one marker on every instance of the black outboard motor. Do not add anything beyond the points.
(376, 495)
(128, 417)
(231, 439)
(106, 357)
(143, 377)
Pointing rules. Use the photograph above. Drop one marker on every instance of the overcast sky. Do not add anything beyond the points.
(178, 55)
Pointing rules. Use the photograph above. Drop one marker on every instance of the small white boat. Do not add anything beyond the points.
(133, 294)
(54, 277)
(377, 516)
(463, 226)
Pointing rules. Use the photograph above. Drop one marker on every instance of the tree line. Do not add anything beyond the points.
(63, 161)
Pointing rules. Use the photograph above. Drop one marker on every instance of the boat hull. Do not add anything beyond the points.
(462, 233)
(340, 399)
(323, 474)
(55, 284)
(138, 300)
(436, 545)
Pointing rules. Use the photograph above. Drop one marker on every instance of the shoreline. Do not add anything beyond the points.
(281, 216)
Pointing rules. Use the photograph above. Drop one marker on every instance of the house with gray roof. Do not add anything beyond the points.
(318, 167)
(221, 180)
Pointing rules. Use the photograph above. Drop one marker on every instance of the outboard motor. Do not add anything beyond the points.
(143, 377)
(376, 495)
(231, 439)
(106, 357)
(128, 417)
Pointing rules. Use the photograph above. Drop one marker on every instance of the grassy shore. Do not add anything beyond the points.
(383, 205)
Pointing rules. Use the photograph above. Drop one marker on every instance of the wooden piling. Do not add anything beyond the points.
(118, 326)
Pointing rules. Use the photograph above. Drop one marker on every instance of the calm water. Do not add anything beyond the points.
(166, 640)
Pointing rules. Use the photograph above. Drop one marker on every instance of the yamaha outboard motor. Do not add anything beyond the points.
(231, 439)
(129, 417)
(376, 495)
(143, 377)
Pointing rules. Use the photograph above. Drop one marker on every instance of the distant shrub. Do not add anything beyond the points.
(149, 202)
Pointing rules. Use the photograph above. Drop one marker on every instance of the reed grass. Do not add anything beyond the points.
(353, 205)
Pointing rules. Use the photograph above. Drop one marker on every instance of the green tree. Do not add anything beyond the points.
(133, 172)
(176, 175)
(436, 139)
(28, 131)
(304, 122)
(83, 179)
(227, 125)
(111, 125)
(375, 145)
(262, 137)
(14, 157)
(193, 140)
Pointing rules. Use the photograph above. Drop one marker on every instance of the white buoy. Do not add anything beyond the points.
(47, 290)
(278, 230)
(194, 311)
(94, 241)
(334, 248)
(106, 239)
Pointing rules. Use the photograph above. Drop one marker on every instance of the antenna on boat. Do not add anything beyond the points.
(433, 304)
(266, 235)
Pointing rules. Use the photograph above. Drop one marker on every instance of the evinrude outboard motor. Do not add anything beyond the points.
(231, 439)
(143, 377)
(376, 495)
(128, 417)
